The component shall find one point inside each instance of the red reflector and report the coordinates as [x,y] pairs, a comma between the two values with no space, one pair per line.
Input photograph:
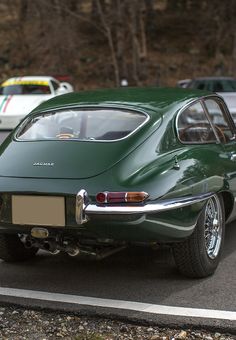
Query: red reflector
[116,197]
[101,197]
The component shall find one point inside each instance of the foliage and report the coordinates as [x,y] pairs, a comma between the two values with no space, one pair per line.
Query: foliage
[101,42]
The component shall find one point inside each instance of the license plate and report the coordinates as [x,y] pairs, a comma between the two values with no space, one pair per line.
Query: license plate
[38,210]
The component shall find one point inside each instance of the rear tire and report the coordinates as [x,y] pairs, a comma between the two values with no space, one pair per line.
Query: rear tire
[13,250]
[199,255]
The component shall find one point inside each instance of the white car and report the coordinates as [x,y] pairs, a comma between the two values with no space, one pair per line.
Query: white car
[20,95]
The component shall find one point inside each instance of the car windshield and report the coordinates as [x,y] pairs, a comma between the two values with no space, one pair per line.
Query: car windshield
[24,89]
[85,124]
[214,85]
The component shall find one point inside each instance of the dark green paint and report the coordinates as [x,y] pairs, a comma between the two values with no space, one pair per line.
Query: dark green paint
[151,99]
[144,161]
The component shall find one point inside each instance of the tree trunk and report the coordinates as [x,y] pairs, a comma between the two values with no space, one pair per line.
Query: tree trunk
[108,33]
[120,38]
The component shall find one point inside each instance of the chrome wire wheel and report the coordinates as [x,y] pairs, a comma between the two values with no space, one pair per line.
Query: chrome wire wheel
[199,255]
[213,224]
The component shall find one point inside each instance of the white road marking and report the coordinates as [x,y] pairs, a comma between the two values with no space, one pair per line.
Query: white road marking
[119,304]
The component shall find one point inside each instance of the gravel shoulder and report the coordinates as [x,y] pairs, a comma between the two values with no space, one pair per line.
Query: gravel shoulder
[18,324]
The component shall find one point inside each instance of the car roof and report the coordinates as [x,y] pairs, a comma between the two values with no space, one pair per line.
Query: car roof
[29,78]
[214,78]
[148,98]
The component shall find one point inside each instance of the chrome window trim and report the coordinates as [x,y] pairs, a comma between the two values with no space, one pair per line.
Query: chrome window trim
[197,100]
[179,113]
[224,109]
[205,109]
[120,107]
[227,114]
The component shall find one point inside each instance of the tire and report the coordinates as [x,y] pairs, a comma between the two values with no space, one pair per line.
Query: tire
[199,255]
[13,250]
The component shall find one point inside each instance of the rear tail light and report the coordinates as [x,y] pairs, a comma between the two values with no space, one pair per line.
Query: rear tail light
[121,197]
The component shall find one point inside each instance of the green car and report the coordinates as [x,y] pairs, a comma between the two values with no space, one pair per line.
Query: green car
[93,172]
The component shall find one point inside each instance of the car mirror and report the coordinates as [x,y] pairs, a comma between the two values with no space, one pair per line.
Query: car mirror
[67,87]
[64,88]
[61,90]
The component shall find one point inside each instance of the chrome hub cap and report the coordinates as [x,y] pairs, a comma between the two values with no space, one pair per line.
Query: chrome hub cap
[213,227]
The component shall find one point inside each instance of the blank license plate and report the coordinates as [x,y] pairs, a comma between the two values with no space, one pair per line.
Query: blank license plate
[38,210]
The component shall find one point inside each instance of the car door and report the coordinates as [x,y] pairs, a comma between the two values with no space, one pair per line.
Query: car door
[225,129]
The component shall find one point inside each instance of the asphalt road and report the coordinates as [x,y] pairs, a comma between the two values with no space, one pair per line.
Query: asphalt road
[134,274]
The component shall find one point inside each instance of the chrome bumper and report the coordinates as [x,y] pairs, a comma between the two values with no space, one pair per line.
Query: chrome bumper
[84,209]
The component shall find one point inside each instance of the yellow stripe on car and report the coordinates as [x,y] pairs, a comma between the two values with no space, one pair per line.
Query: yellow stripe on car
[25,82]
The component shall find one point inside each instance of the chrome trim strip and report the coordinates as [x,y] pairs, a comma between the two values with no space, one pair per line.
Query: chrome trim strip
[201,100]
[80,205]
[85,107]
[172,226]
[150,208]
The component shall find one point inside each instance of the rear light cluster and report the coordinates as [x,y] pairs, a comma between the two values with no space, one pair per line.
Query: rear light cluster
[121,197]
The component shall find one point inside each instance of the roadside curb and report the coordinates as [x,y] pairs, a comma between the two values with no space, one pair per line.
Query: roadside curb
[119,313]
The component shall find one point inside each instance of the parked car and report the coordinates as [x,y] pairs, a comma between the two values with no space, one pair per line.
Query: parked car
[224,86]
[20,95]
[92,172]
[230,99]
[214,84]
[183,82]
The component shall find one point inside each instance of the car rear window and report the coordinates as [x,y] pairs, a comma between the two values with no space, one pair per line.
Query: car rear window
[85,124]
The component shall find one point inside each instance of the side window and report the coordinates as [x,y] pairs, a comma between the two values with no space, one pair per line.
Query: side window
[194,127]
[219,120]
[55,85]
[201,86]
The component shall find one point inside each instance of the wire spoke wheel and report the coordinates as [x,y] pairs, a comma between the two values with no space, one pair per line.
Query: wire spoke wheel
[213,227]
[199,255]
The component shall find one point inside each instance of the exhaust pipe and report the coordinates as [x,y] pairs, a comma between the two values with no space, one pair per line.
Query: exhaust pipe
[72,251]
[51,247]
[28,243]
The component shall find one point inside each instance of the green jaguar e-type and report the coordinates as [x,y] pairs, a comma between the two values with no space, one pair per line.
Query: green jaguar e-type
[92,172]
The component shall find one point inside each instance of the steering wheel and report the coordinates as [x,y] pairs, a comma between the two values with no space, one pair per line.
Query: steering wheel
[221,134]
[65,133]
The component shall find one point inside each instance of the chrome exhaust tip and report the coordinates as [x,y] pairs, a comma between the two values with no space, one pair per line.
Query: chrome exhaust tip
[54,252]
[73,251]
[48,246]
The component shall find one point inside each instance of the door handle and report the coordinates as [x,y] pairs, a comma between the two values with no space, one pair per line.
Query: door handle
[233,157]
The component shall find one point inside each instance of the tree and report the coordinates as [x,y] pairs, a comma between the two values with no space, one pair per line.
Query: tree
[125,26]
